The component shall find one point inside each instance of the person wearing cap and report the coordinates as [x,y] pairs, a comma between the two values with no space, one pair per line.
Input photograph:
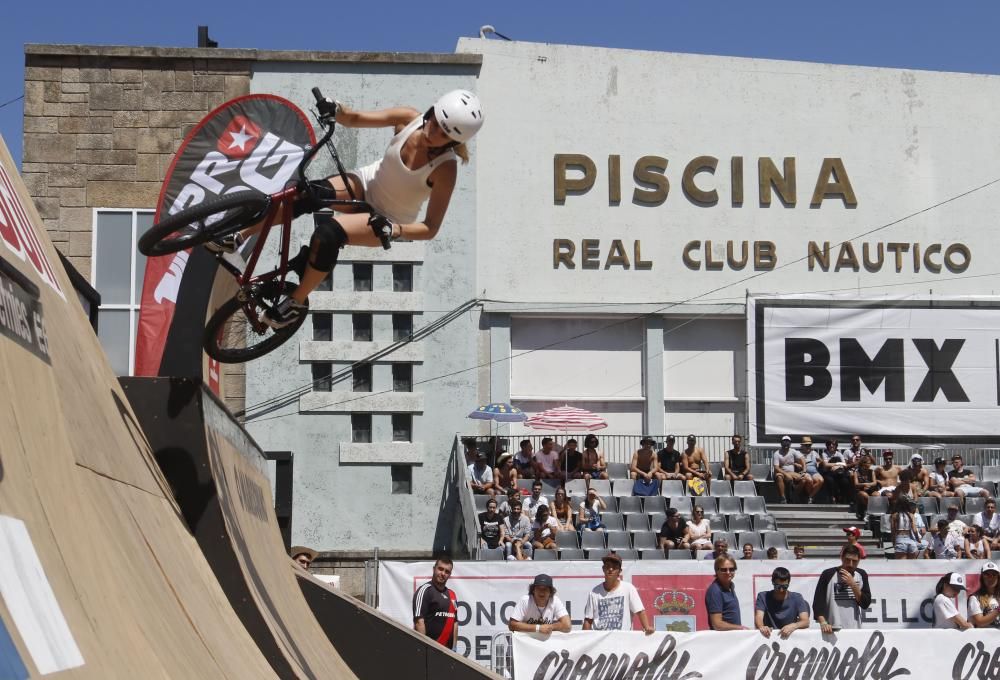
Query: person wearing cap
[589,516]
[505,473]
[920,477]
[540,611]
[853,536]
[939,478]
[787,466]
[672,532]
[956,526]
[612,603]
[945,611]
[737,462]
[984,604]
[435,606]
[865,486]
[670,460]
[644,464]
[963,480]
[812,479]
[780,609]
[842,593]
[989,520]
[481,476]
[302,556]
[887,474]
[720,597]
[594,466]
[695,463]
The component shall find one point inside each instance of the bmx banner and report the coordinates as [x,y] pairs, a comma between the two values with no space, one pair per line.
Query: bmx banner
[890,369]
[672,593]
[747,654]
[250,143]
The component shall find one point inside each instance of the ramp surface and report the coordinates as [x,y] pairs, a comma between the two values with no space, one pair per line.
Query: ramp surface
[99,577]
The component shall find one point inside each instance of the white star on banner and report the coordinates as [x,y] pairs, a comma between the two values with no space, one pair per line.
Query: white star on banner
[240,139]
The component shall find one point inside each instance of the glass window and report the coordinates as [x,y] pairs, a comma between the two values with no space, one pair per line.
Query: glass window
[361,428]
[402,326]
[402,427]
[402,278]
[402,479]
[321,372]
[402,377]
[326,283]
[362,378]
[117,273]
[322,326]
[363,275]
[362,327]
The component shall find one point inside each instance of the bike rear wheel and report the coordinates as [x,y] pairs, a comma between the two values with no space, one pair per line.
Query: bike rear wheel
[235,333]
[203,222]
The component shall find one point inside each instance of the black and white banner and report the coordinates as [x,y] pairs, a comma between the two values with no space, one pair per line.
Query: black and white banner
[892,370]
[855,654]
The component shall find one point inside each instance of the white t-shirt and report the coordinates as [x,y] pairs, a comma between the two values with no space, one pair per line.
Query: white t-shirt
[549,460]
[527,611]
[484,476]
[613,610]
[701,532]
[944,610]
[991,527]
[975,608]
[529,505]
[787,461]
[550,529]
[946,549]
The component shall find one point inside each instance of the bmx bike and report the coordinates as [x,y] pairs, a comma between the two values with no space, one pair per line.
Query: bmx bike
[236,332]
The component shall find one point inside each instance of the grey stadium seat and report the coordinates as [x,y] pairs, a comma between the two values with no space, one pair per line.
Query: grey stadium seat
[775,539]
[568,539]
[744,488]
[706,503]
[643,540]
[630,505]
[491,554]
[636,522]
[740,523]
[545,555]
[672,487]
[754,505]
[878,505]
[656,520]
[761,471]
[652,504]
[619,540]
[651,554]
[613,521]
[722,488]
[571,554]
[618,470]
[679,554]
[594,539]
[718,523]
[730,505]
[729,537]
[762,523]
[751,537]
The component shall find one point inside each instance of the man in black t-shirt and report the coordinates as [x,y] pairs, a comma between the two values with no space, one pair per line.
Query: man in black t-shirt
[670,460]
[672,531]
[435,607]
[737,466]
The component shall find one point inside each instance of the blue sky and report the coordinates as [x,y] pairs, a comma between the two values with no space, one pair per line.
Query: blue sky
[918,34]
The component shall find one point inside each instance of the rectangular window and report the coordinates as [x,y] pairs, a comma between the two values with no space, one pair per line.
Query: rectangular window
[361,428]
[321,373]
[117,270]
[362,327]
[402,479]
[322,326]
[402,278]
[402,326]
[402,427]
[362,378]
[326,283]
[402,377]
[363,275]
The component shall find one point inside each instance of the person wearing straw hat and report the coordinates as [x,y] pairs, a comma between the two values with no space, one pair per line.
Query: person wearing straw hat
[540,611]
[945,611]
[302,556]
[505,474]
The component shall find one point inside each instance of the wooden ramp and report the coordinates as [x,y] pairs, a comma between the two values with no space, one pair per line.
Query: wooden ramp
[99,576]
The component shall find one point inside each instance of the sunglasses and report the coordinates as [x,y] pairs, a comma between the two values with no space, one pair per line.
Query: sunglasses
[727,570]
[780,586]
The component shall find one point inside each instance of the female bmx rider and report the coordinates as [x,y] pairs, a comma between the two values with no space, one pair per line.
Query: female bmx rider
[420,164]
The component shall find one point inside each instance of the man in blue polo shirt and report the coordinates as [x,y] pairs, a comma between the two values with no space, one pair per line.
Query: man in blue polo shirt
[720,598]
[780,609]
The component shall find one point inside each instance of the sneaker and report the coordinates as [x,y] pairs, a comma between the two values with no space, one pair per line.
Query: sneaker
[511,558]
[783,501]
[226,244]
[286,312]
[809,500]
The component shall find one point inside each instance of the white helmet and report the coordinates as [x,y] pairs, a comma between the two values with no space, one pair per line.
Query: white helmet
[459,114]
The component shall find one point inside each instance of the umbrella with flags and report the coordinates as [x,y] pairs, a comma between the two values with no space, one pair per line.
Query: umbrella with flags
[567,418]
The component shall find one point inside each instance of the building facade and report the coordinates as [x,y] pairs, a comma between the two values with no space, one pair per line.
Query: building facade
[619,208]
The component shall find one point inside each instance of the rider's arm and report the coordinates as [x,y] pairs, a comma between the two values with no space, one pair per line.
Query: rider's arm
[443,177]
[400,115]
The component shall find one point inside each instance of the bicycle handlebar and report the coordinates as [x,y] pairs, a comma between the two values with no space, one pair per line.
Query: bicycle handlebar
[327,107]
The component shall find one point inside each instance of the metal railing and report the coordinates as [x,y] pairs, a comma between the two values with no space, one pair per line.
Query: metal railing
[470,522]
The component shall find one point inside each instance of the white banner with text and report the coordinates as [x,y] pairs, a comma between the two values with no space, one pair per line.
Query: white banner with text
[673,593]
[890,369]
[855,654]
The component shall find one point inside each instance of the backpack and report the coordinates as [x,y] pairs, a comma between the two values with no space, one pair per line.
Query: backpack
[696,487]
[646,487]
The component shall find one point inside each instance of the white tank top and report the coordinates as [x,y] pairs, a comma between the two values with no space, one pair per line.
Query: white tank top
[392,188]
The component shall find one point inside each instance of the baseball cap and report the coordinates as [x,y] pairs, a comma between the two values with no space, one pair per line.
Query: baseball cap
[692,438]
[940,461]
[786,438]
[481,456]
[990,566]
[887,453]
[613,558]
[854,531]
[916,458]
[958,580]
[542,580]
[647,438]
[671,438]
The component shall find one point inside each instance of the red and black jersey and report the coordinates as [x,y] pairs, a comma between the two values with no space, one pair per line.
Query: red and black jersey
[438,609]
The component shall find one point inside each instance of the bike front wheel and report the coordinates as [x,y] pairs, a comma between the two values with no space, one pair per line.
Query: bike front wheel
[203,222]
[235,333]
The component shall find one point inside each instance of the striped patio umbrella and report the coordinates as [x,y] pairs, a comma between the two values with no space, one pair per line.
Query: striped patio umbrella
[567,418]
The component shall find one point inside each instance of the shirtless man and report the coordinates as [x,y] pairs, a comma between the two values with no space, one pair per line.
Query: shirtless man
[644,463]
[695,463]
[887,474]
[921,485]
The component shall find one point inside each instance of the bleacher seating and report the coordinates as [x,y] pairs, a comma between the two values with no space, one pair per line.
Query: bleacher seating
[618,540]
[481,500]
[740,523]
[716,469]
[681,503]
[991,473]
[653,504]
[718,523]
[729,537]
[545,555]
[613,521]
[762,523]
[572,554]
[761,472]
[730,505]
[928,505]
[576,487]
[603,487]
[744,488]
[679,554]
[974,504]
[721,489]
[656,520]
[672,488]
[636,522]
[775,539]
[706,503]
[491,554]
[630,505]
[754,505]
[949,501]
[751,537]
[642,540]
[651,554]
[569,539]
[595,539]
[618,471]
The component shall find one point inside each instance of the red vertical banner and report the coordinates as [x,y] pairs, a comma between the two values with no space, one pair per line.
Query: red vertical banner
[250,143]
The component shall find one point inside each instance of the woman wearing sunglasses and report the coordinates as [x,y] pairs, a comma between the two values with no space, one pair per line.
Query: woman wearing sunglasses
[780,609]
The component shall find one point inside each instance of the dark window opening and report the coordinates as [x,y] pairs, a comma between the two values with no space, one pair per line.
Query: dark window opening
[402,479]
[362,327]
[322,326]
[402,427]
[402,278]
[362,378]
[402,326]
[363,275]
[361,428]
[402,377]
[321,373]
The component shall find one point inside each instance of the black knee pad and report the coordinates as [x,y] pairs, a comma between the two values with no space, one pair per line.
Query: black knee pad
[326,242]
